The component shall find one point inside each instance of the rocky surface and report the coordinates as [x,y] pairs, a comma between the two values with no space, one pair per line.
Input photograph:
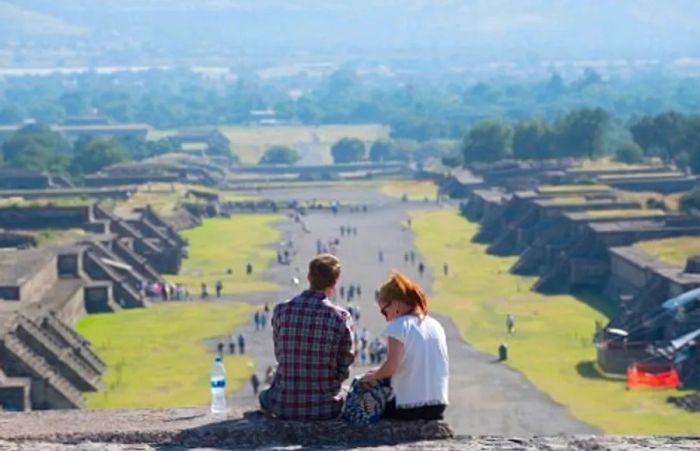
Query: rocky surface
[194,427]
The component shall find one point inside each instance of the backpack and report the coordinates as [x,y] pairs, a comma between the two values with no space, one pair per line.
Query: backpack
[366,402]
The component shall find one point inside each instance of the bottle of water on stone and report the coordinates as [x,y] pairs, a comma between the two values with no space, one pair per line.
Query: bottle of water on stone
[218,388]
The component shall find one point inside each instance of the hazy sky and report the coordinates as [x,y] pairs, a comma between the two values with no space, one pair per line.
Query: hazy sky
[561,28]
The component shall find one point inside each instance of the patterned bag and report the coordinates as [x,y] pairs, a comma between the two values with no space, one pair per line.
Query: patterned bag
[366,402]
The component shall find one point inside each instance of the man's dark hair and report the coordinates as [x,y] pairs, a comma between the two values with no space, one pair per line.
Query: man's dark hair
[324,271]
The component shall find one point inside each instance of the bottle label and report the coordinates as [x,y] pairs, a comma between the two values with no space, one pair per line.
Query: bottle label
[218,383]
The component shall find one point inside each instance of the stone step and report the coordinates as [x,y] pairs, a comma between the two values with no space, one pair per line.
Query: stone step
[44,371]
[78,342]
[89,377]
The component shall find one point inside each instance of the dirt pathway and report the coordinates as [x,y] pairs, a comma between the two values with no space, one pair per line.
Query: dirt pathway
[487,397]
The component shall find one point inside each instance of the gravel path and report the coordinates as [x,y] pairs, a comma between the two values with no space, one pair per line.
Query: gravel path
[486,397]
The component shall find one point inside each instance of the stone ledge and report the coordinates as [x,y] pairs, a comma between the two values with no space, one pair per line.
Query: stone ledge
[194,427]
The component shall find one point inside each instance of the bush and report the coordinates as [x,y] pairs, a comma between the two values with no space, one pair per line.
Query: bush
[690,201]
[629,153]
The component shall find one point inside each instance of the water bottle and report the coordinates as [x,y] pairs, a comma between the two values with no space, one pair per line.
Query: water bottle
[218,388]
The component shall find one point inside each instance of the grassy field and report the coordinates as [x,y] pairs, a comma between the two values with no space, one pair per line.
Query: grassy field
[250,142]
[552,344]
[624,213]
[672,250]
[413,189]
[223,243]
[156,357]
[551,189]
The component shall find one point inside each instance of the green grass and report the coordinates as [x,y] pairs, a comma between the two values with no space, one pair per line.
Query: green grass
[250,142]
[552,346]
[552,189]
[624,213]
[413,189]
[223,243]
[156,357]
[674,251]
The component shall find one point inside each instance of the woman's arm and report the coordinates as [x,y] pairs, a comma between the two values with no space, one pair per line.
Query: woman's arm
[389,367]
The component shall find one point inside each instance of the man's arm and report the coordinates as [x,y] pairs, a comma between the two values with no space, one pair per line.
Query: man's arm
[346,350]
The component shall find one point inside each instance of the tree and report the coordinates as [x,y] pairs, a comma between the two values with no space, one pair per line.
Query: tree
[660,135]
[98,154]
[580,133]
[489,140]
[280,155]
[348,150]
[382,150]
[690,201]
[533,140]
[629,153]
[36,147]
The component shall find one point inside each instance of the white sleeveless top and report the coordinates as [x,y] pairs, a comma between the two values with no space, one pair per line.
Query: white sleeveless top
[423,373]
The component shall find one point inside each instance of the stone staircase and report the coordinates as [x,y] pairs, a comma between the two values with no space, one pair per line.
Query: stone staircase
[76,341]
[73,368]
[123,291]
[40,369]
[127,254]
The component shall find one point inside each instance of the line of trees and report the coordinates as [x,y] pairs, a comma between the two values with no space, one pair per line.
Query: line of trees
[37,147]
[585,133]
[415,109]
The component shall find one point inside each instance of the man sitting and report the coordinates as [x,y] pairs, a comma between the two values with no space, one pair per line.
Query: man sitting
[313,341]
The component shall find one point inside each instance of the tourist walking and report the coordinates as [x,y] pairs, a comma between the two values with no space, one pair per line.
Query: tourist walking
[416,342]
[219,287]
[249,269]
[256,320]
[205,291]
[220,348]
[232,347]
[421,268]
[510,323]
[241,344]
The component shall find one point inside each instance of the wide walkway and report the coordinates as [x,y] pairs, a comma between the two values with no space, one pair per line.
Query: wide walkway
[487,397]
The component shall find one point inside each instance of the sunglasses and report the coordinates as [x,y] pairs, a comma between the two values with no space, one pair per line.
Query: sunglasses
[384,309]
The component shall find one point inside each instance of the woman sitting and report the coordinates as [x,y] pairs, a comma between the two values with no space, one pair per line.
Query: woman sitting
[417,361]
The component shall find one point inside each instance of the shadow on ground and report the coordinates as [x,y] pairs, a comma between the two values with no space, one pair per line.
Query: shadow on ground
[256,430]
[589,370]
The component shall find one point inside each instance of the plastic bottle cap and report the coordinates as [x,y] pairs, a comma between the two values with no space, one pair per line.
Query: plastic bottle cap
[218,359]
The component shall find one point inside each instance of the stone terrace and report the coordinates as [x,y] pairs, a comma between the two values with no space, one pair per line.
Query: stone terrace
[187,428]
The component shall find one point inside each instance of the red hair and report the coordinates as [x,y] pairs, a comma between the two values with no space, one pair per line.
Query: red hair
[401,288]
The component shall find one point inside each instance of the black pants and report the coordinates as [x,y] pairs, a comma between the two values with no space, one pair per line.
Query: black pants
[414,413]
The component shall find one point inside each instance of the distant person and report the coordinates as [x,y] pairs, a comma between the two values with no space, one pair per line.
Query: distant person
[255,383]
[256,320]
[405,257]
[205,291]
[219,287]
[249,269]
[220,348]
[412,256]
[445,269]
[421,268]
[510,324]
[232,348]
[241,344]
[313,342]
[342,292]
[416,361]
[381,256]
[358,290]
[263,321]
[267,308]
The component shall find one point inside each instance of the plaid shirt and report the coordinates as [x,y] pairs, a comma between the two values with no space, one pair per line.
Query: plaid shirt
[314,350]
